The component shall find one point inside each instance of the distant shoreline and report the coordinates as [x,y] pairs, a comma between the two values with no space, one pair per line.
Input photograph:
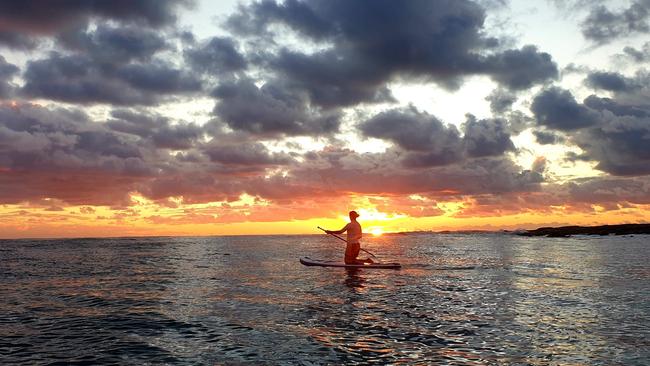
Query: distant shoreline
[553,232]
[566,231]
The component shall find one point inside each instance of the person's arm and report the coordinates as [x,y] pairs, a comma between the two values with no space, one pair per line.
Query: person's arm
[344,229]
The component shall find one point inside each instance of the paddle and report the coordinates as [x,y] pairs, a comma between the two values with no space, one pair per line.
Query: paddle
[340,238]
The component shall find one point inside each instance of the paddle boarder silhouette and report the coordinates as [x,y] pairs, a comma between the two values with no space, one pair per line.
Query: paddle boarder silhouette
[354,234]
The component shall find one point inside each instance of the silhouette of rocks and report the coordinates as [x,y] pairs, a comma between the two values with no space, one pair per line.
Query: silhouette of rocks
[566,231]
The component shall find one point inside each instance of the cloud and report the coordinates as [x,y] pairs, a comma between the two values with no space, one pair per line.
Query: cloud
[539,165]
[271,109]
[156,129]
[111,45]
[410,129]
[79,79]
[620,145]
[603,25]
[611,81]
[218,55]
[610,190]
[333,79]
[430,143]
[7,72]
[501,100]
[63,154]
[43,17]
[615,107]
[547,138]
[486,137]
[614,132]
[557,108]
[252,154]
[369,43]
[575,5]
[35,138]
[521,69]
[626,90]
[60,153]
[288,69]
[17,41]
[642,55]
[342,171]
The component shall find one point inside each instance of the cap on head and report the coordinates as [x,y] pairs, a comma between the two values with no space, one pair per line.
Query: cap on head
[353,214]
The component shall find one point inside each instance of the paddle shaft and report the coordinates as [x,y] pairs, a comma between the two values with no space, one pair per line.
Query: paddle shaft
[340,238]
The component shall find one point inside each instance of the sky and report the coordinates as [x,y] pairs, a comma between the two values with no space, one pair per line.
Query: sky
[155,117]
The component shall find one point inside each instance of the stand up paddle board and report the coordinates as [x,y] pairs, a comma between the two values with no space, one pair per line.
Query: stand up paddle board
[323,263]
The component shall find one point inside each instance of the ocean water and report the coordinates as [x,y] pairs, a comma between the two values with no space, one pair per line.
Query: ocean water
[483,299]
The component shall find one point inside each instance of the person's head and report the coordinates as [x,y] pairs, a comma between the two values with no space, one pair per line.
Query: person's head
[353,215]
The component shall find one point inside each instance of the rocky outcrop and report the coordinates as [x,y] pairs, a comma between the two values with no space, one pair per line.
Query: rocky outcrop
[565,231]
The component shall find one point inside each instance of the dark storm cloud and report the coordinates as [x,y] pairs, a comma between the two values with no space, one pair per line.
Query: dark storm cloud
[620,146]
[35,138]
[249,154]
[557,108]
[547,138]
[7,72]
[521,69]
[272,109]
[78,79]
[603,25]
[375,41]
[611,81]
[52,16]
[158,78]
[618,109]
[627,91]
[156,129]
[613,132]
[17,41]
[412,130]
[430,143]
[487,137]
[115,45]
[216,56]
[501,100]
[332,79]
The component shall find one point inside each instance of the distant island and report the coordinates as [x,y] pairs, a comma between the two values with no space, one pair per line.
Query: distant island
[552,232]
[565,231]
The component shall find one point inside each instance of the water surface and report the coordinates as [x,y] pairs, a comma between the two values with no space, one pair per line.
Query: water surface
[483,299]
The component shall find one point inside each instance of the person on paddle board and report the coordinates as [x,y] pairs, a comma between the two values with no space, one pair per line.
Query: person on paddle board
[354,233]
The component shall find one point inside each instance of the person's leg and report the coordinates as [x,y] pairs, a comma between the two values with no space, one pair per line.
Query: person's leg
[356,250]
[351,253]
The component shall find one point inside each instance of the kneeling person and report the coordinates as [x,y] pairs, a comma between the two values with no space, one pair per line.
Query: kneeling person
[354,233]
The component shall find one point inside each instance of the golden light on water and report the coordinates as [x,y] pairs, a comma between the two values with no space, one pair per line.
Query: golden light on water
[376,231]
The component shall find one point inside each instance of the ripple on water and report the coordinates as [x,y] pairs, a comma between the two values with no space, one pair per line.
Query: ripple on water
[471,300]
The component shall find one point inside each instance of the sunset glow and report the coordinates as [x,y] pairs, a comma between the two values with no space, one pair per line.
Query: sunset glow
[376,231]
[215,119]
